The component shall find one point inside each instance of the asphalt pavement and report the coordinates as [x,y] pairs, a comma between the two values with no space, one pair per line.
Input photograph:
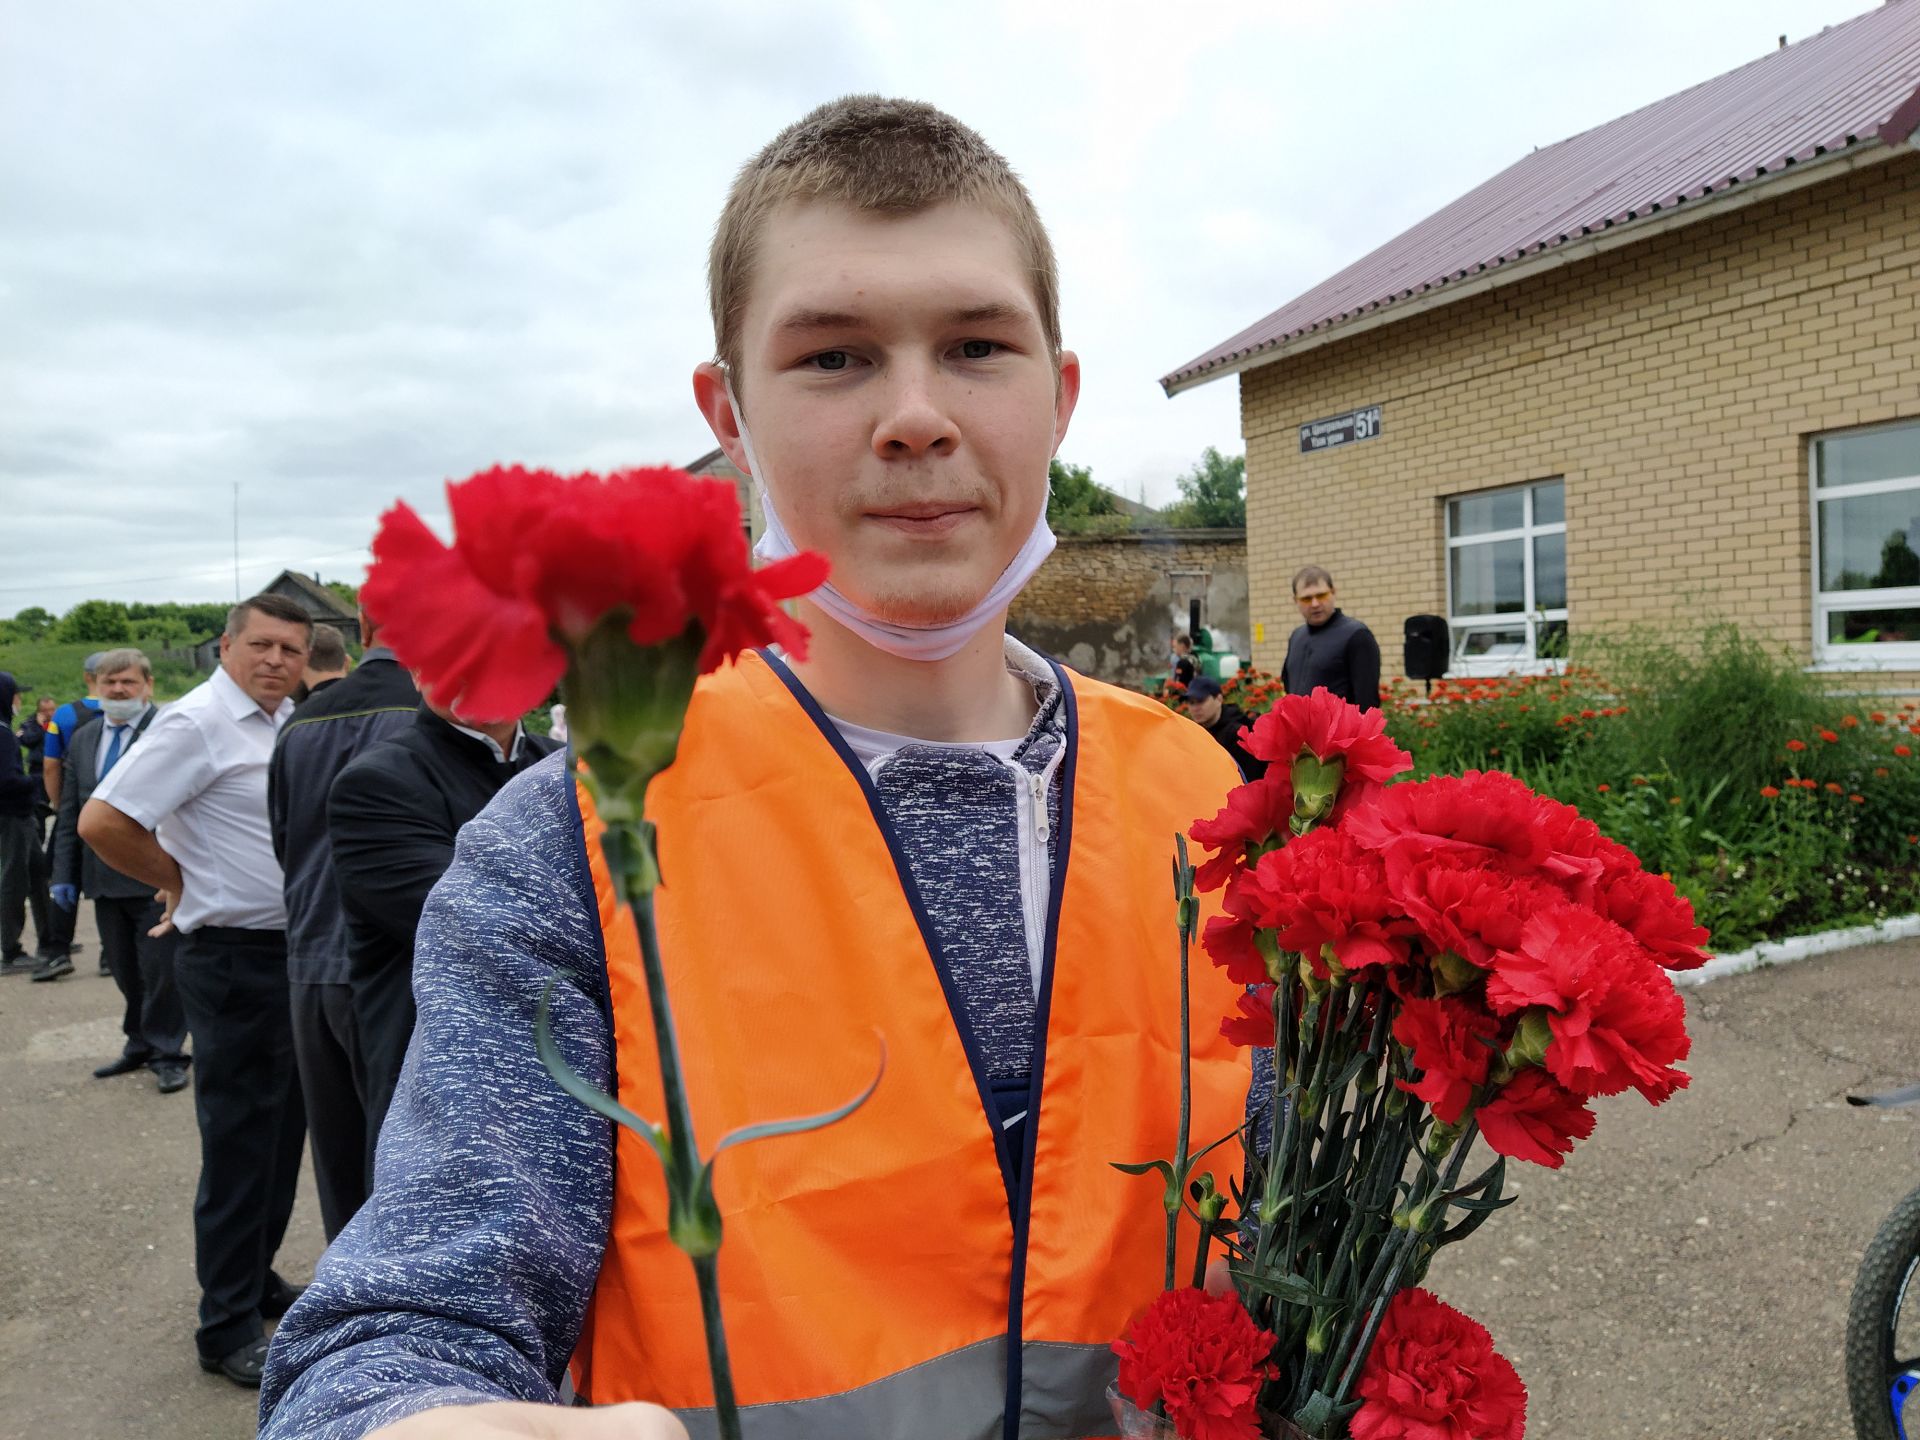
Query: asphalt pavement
[1684,1277]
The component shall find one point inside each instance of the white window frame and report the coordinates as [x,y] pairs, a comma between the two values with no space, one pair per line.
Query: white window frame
[1532,617]
[1828,655]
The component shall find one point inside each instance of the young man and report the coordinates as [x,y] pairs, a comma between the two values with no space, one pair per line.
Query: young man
[924,830]
[1223,720]
[186,813]
[1330,647]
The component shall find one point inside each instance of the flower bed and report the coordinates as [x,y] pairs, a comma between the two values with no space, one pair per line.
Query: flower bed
[1777,809]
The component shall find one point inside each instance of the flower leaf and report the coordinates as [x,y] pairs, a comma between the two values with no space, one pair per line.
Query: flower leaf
[800,1126]
[594,1099]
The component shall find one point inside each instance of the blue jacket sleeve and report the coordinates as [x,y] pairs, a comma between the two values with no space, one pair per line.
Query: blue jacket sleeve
[465,1278]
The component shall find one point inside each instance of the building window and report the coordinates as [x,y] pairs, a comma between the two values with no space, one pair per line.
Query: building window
[1866,547]
[1507,577]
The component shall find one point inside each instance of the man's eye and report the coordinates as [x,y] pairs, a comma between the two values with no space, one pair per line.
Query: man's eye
[978,349]
[830,360]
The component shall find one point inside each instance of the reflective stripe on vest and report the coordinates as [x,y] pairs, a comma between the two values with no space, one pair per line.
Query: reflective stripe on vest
[872,1273]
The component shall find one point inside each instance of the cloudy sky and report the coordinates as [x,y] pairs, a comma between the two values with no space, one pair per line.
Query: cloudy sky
[336,254]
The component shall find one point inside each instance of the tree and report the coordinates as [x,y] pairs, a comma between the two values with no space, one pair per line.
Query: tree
[1075,505]
[1213,494]
[349,594]
[34,622]
[95,622]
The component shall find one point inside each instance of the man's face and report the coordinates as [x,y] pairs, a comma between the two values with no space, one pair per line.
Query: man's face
[1316,601]
[897,383]
[1206,711]
[266,659]
[44,707]
[126,685]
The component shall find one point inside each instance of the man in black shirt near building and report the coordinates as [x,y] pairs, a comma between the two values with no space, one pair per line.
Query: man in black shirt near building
[1332,648]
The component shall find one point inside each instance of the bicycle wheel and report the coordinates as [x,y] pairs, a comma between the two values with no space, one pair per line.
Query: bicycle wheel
[1883,1330]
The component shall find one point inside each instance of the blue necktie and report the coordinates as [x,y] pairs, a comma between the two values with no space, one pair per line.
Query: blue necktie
[113,748]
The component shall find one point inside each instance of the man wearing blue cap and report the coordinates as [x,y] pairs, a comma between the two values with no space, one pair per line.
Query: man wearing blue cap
[1223,720]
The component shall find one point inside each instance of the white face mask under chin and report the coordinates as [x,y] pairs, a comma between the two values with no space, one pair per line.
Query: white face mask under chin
[909,642]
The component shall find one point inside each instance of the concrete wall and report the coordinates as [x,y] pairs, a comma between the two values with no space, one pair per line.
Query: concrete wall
[1674,384]
[1107,604]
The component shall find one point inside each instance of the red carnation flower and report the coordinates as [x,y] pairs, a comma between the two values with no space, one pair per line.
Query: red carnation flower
[1325,726]
[1615,1018]
[1323,889]
[1472,910]
[1481,818]
[1433,1374]
[1228,938]
[1252,1021]
[1452,1042]
[1254,814]
[539,559]
[1648,908]
[1204,1357]
[1534,1117]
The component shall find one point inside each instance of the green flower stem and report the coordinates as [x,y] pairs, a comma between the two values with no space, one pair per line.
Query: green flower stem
[1188,910]
[630,859]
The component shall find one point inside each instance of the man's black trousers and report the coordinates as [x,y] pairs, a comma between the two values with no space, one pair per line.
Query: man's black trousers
[326,1046]
[142,966]
[246,1095]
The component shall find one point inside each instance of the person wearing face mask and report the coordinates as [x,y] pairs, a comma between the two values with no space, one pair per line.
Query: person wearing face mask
[125,910]
[923,829]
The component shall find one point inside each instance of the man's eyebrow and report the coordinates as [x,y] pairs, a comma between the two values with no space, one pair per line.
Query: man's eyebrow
[996,312]
[803,321]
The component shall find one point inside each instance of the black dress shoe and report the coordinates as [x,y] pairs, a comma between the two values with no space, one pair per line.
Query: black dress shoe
[243,1366]
[52,967]
[125,1065]
[19,963]
[171,1075]
[279,1298]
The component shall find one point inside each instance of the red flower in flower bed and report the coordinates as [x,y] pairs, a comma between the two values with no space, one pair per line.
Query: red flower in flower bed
[1433,1374]
[1535,1118]
[1204,1357]
[538,559]
[1616,1019]
[1796,745]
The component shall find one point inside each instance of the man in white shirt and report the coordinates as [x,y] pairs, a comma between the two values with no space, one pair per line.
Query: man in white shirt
[186,812]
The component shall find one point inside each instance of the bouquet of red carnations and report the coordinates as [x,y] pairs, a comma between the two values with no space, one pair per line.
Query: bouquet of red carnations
[1439,966]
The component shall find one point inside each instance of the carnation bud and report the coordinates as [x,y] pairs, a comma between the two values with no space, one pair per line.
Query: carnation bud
[1453,973]
[626,705]
[1269,949]
[1530,1040]
[1316,786]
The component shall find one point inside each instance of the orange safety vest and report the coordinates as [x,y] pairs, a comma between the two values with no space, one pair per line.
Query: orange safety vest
[883,1277]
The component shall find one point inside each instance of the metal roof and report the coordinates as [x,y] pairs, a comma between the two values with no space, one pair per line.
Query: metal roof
[1853,88]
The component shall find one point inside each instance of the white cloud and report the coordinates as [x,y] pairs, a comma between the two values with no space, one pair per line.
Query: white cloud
[336,254]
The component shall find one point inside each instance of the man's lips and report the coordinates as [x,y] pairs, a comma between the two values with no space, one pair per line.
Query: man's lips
[927,518]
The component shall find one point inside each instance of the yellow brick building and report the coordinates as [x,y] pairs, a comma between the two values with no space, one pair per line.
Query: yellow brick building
[1669,368]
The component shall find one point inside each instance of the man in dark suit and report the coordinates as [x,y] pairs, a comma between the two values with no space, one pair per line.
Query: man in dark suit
[124,908]
[392,818]
[339,719]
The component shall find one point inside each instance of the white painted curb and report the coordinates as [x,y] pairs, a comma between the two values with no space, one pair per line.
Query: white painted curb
[1799,947]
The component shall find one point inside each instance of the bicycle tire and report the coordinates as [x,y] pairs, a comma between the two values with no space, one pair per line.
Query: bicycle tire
[1886,1270]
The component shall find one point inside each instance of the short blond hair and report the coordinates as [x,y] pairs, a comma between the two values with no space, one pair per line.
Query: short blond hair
[867,152]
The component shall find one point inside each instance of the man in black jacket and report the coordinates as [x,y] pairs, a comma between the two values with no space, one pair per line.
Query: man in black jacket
[125,910]
[1223,720]
[339,720]
[19,840]
[392,818]
[1332,648]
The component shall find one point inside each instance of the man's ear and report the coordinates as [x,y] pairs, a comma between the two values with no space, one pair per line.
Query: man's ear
[1066,396]
[710,394]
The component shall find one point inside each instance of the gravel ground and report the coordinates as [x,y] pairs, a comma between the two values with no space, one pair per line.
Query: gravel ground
[1684,1277]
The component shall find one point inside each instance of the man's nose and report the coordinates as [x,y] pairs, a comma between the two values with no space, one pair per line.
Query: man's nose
[913,421]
